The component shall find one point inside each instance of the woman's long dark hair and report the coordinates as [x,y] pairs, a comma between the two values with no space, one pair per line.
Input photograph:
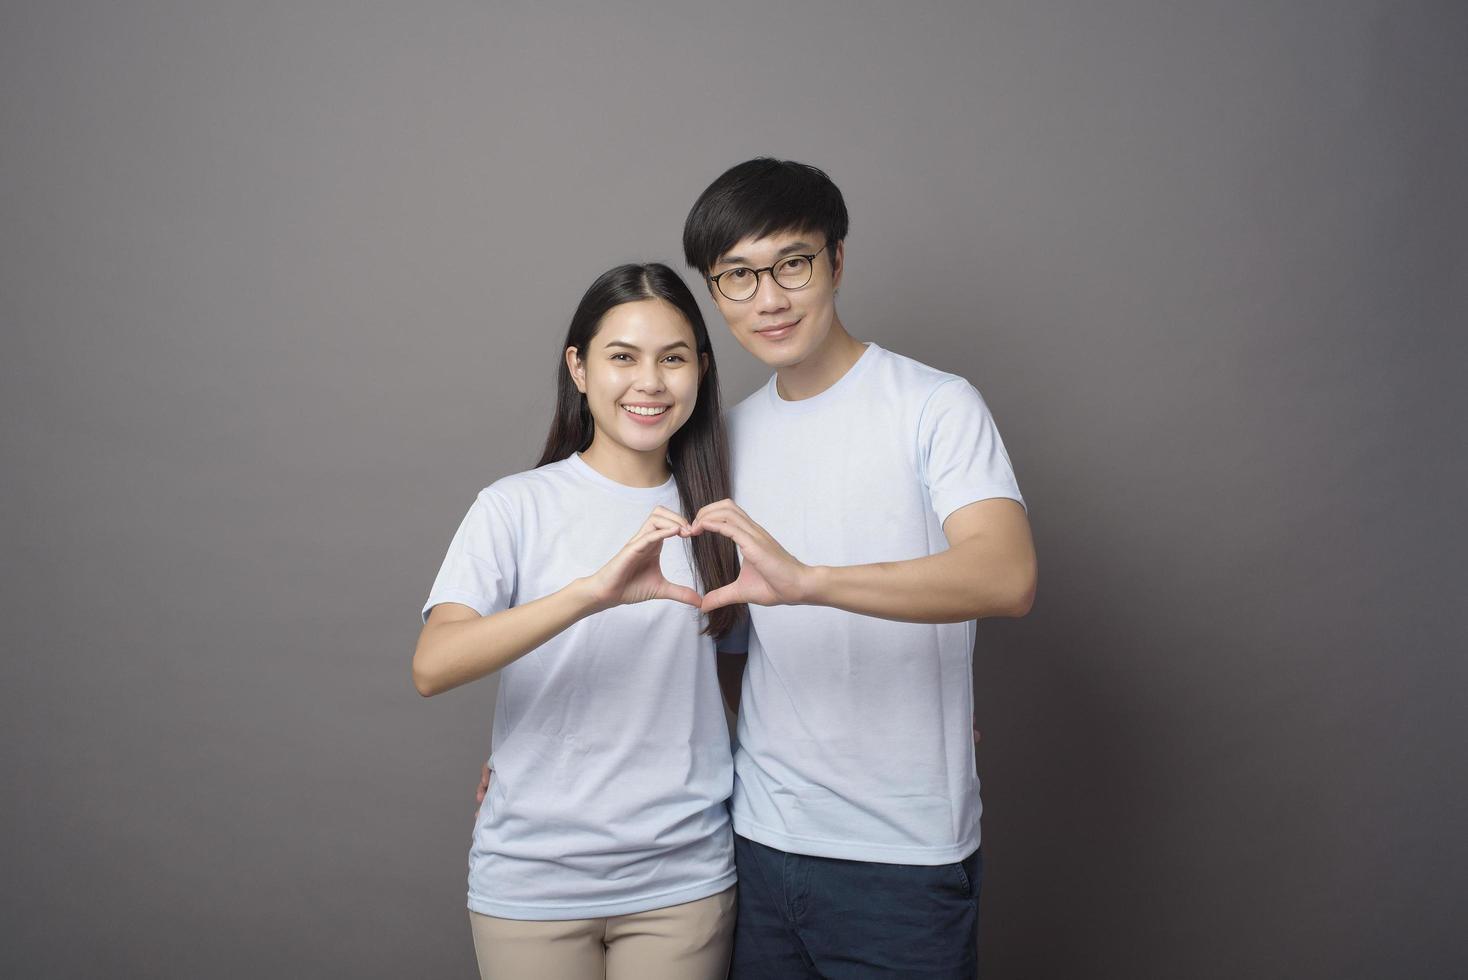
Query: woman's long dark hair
[698,453]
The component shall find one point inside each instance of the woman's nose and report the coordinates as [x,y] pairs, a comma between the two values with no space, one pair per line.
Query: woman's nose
[650,378]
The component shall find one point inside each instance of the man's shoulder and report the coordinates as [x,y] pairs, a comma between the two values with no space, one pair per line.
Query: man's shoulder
[911,376]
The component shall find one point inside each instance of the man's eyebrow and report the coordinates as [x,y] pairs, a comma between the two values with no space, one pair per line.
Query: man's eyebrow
[631,346]
[793,247]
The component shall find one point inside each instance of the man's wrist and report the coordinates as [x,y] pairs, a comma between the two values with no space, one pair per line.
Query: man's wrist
[815,584]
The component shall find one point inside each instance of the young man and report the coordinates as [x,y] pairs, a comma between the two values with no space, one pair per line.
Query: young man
[877,517]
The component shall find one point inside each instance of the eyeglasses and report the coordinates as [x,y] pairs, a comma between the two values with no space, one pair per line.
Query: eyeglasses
[791,272]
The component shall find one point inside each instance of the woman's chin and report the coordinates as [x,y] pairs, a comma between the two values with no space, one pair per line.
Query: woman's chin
[641,440]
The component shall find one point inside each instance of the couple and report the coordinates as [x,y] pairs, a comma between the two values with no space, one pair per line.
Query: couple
[836,548]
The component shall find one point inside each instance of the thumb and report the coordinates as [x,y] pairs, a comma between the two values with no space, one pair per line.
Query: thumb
[719,598]
[680,593]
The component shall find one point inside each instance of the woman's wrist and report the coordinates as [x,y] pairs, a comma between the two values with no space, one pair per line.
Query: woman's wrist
[587,598]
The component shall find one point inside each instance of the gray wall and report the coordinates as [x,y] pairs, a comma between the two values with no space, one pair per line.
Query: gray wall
[281,288]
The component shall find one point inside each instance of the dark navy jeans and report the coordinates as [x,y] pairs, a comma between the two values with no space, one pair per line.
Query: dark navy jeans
[802,916]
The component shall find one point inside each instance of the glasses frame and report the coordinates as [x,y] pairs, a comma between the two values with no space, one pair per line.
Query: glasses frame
[809,259]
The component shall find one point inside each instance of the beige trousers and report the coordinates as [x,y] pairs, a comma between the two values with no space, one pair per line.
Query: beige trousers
[691,941]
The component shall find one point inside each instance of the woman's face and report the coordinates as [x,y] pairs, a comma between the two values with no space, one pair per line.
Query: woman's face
[639,374]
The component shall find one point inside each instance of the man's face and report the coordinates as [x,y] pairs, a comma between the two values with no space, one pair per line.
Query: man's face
[780,326]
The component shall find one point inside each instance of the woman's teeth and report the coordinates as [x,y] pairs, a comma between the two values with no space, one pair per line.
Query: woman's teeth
[639,410]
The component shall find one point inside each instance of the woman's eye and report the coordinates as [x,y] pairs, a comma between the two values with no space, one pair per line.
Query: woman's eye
[676,358]
[622,357]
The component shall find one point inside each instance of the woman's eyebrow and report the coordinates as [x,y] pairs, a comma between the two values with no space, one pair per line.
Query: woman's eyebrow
[631,346]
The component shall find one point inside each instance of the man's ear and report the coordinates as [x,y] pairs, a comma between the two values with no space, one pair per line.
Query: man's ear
[838,263]
[577,368]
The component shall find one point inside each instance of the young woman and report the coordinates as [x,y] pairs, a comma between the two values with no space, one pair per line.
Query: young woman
[603,847]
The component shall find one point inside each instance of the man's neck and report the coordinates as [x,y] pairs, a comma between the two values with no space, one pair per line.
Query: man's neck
[823,368]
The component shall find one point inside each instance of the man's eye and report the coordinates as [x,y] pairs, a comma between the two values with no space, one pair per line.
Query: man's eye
[738,275]
[625,357]
[792,265]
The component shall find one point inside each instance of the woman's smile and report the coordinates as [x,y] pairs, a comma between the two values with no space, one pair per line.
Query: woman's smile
[644,413]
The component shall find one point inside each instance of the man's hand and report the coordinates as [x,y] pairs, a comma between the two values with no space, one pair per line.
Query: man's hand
[768,576]
[481,790]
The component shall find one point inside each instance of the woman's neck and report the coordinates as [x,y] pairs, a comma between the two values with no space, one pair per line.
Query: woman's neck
[627,466]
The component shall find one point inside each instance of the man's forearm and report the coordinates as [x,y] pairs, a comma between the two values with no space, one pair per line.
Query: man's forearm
[971,580]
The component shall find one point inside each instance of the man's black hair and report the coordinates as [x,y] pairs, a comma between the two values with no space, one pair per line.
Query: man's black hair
[762,197]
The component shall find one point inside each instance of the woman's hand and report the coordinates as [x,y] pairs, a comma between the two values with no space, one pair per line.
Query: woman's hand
[457,645]
[635,573]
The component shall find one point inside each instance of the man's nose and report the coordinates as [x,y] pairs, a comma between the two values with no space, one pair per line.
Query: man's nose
[769,295]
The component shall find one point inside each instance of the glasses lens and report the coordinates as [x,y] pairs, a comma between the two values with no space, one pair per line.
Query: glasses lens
[738,284]
[793,272]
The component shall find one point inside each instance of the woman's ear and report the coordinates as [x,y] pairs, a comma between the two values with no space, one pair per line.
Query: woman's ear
[577,368]
[703,366]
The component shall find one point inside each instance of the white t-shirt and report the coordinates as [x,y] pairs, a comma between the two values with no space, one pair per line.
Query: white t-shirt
[855,734]
[611,759]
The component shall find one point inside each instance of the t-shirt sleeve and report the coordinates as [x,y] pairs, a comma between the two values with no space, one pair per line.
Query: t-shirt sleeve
[479,569]
[960,452]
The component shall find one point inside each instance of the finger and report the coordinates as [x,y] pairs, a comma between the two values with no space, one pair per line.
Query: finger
[712,508]
[656,533]
[654,521]
[719,598]
[729,530]
[742,521]
[663,533]
[681,593]
[714,505]
[727,507]
[649,541]
[733,517]
[670,515]
[737,509]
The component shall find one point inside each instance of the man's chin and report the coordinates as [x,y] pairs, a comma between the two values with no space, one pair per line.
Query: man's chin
[773,355]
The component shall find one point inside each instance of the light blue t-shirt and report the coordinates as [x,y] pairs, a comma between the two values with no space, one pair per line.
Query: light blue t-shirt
[855,735]
[611,759]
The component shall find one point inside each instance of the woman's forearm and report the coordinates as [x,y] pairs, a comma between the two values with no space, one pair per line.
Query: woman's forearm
[462,650]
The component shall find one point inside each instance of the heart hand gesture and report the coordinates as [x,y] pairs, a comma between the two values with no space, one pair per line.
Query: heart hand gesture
[635,573]
[768,574]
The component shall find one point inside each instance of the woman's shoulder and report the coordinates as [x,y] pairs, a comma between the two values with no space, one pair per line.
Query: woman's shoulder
[516,489]
[517,500]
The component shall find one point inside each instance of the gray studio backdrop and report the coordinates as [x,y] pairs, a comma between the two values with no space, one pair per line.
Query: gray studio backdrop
[282,285]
